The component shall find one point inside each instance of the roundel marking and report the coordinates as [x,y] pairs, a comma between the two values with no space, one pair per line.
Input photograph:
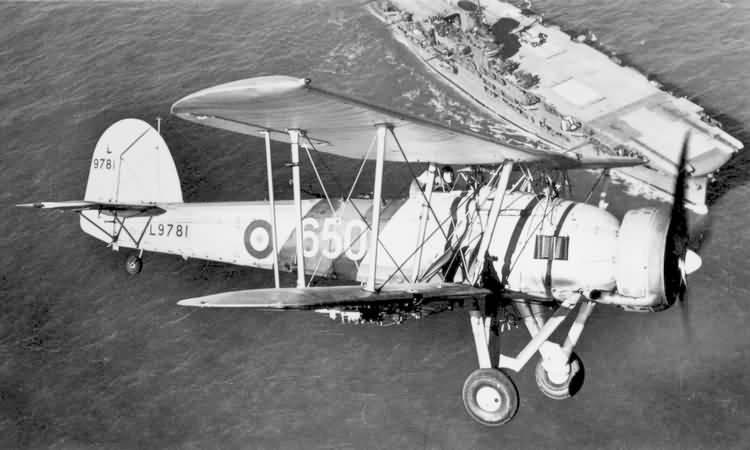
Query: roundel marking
[258,239]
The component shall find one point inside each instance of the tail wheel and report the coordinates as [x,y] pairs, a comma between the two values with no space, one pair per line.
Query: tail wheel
[490,397]
[133,265]
[566,389]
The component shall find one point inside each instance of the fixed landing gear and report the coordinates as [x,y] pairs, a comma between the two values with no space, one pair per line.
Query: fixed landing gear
[134,264]
[490,397]
[560,383]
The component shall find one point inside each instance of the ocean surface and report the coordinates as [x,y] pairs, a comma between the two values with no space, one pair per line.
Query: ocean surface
[92,358]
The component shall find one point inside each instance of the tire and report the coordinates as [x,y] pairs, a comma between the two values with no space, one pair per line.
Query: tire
[564,390]
[490,397]
[133,265]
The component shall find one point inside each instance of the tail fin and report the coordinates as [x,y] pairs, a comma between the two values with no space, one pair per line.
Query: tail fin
[132,165]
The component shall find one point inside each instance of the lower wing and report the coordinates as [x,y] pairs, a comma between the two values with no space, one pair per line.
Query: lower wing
[333,296]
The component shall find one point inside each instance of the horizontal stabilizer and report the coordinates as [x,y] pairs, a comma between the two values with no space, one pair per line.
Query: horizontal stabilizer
[82,205]
[67,205]
[331,296]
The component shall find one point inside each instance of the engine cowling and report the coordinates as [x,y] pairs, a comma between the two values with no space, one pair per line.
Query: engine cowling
[647,267]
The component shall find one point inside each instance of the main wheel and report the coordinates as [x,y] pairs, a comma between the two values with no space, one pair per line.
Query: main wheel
[565,389]
[490,397]
[133,265]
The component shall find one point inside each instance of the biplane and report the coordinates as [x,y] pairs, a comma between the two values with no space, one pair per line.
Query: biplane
[491,243]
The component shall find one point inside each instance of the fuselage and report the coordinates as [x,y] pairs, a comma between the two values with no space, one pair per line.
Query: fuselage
[541,246]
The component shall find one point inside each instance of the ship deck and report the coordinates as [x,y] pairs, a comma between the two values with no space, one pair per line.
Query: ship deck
[617,101]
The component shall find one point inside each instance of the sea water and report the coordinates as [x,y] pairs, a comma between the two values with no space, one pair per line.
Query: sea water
[93,357]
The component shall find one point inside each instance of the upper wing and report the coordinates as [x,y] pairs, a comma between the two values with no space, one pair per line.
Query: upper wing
[332,296]
[345,126]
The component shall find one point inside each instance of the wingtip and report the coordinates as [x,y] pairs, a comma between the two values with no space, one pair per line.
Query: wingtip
[192,302]
[30,205]
[248,87]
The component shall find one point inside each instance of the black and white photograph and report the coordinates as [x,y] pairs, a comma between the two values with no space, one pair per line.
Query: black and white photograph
[385,224]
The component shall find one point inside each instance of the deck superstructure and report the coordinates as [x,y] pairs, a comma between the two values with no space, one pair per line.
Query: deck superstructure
[559,88]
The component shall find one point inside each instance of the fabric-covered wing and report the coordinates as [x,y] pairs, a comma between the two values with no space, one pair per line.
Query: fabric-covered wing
[346,126]
[331,296]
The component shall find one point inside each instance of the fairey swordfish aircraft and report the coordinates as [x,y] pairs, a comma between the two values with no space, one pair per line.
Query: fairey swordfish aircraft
[493,244]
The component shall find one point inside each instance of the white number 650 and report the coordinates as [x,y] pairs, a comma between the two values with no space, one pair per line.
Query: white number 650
[332,242]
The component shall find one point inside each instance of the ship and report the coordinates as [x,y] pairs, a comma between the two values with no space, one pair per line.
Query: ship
[562,89]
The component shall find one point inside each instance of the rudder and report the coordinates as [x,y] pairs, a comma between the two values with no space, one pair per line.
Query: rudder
[132,165]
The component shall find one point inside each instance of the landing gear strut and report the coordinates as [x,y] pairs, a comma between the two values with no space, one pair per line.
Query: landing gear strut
[134,264]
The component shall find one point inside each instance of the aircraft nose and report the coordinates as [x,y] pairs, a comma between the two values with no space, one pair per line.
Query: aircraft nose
[693,262]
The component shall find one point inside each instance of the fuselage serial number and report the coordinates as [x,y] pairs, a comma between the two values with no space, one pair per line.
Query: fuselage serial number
[168,229]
